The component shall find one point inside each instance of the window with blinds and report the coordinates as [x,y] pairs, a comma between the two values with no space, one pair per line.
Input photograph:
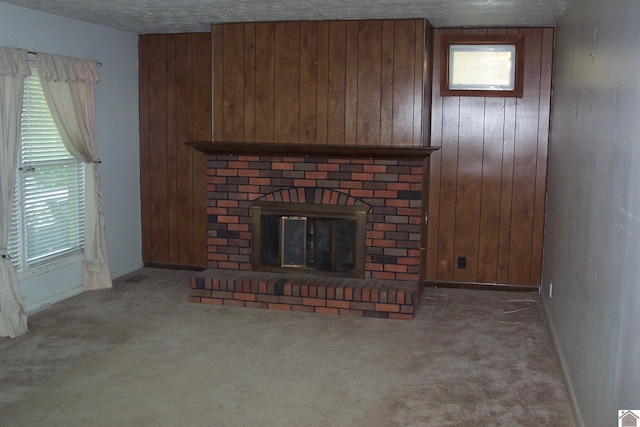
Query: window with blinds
[48,207]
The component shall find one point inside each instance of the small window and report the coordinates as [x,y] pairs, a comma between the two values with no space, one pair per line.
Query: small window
[482,65]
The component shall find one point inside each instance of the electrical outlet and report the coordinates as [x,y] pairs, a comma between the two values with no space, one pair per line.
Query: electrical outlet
[462,262]
[550,290]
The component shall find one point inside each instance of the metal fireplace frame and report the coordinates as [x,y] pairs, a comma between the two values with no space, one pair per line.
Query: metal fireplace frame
[309,210]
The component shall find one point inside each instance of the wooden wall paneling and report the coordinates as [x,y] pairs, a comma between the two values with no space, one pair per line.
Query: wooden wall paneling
[202,114]
[546,68]
[337,72]
[491,182]
[351,84]
[184,201]
[469,182]
[386,83]
[265,82]
[145,175]
[403,87]
[158,149]
[369,82]
[322,82]
[217,33]
[308,82]
[435,165]
[171,174]
[250,73]
[287,82]
[233,82]
[525,157]
[418,81]
[468,193]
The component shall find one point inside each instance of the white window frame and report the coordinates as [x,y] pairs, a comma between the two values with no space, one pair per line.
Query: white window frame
[28,202]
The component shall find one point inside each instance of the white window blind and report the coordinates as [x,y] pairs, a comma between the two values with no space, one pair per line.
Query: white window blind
[48,210]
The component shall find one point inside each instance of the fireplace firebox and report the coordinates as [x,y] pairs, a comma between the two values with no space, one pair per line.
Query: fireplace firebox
[309,238]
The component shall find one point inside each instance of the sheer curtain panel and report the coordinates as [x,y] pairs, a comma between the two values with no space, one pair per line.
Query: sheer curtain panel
[13,70]
[68,86]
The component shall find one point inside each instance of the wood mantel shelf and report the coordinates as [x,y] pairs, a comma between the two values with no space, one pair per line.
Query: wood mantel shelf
[316,150]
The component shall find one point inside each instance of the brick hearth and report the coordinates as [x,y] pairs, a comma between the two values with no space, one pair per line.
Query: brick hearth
[390,299]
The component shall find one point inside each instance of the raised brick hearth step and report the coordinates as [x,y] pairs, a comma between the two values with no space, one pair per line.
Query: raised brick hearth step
[392,299]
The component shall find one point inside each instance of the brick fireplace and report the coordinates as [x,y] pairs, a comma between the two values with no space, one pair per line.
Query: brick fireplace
[388,184]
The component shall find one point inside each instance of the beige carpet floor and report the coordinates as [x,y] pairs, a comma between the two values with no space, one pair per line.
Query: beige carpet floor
[141,355]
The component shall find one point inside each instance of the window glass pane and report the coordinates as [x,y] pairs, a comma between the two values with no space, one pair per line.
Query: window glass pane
[48,212]
[486,67]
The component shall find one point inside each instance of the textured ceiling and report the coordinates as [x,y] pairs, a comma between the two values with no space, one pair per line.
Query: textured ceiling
[176,16]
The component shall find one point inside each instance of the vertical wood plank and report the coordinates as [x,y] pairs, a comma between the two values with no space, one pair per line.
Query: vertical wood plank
[351,84]
[249,82]
[435,165]
[201,72]
[233,85]
[308,82]
[468,192]
[287,82]
[525,163]
[546,69]
[172,188]
[265,82]
[369,82]
[145,185]
[217,41]
[387,83]
[418,81]
[337,73]
[403,83]
[158,149]
[184,163]
[323,83]
[491,187]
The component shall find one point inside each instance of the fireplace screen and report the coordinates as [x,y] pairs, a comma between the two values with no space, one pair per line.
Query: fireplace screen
[309,238]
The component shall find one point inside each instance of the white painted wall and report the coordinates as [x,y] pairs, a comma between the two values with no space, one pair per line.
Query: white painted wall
[117,137]
[592,236]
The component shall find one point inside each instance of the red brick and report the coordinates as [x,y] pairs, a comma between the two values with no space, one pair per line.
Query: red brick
[249,173]
[227,219]
[325,310]
[217,211]
[243,296]
[228,203]
[238,227]
[328,167]
[392,308]
[194,299]
[315,175]
[216,180]
[238,165]
[395,268]
[362,176]
[304,182]
[283,307]
[290,300]
[383,226]
[282,166]
[362,193]
[229,265]
[338,304]
[316,302]
[227,172]
[383,275]
[375,168]
[303,308]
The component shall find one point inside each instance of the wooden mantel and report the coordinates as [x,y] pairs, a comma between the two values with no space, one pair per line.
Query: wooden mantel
[317,150]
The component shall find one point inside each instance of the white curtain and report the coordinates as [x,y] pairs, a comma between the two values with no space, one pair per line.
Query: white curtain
[68,86]
[13,70]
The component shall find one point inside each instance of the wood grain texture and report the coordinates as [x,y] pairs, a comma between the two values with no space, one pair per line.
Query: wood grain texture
[175,106]
[321,82]
[488,181]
